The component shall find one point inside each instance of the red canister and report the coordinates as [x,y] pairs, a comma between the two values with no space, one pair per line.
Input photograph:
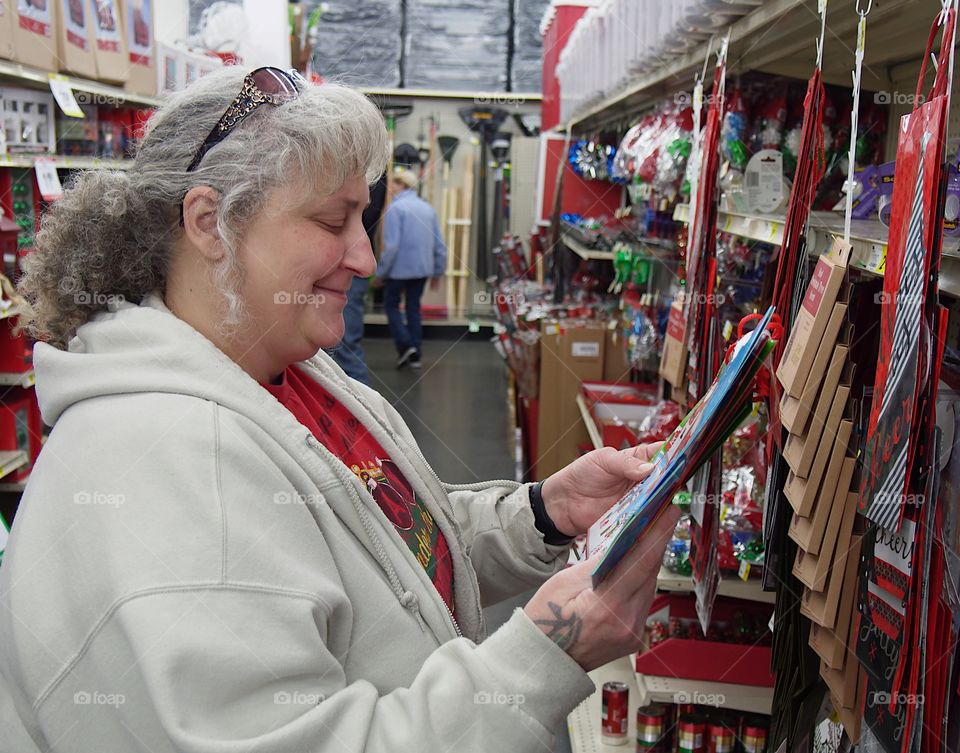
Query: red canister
[613,720]
[652,729]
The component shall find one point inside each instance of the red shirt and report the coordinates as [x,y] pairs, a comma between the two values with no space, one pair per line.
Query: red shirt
[347,438]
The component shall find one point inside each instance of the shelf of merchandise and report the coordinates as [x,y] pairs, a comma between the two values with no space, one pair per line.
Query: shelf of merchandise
[10,460]
[65,163]
[481,98]
[868,239]
[376,318]
[732,587]
[727,695]
[676,73]
[18,379]
[583,252]
[36,78]
[13,487]
[583,724]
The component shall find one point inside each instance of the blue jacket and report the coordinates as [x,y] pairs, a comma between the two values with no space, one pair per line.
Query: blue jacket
[413,245]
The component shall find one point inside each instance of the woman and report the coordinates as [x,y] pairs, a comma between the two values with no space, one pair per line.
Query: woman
[226,547]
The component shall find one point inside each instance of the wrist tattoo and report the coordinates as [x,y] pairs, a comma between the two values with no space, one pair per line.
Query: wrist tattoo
[564,631]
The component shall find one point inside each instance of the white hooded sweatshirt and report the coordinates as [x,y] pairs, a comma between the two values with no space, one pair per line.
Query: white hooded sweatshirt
[190,570]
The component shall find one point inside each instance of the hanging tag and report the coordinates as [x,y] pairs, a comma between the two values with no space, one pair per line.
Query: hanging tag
[47,179]
[474,326]
[763,182]
[63,93]
[698,97]
[744,571]
[862,35]
[821,6]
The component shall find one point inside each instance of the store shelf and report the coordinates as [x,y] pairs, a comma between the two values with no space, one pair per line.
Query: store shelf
[583,724]
[583,252]
[591,425]
[768,229]
[10,460]
[778,38]
[18,379]
[105,94]
[481,98]
[480,322]
[868,239]
[726,695]
[65,163]
[730,586]
[675,73]
[13,487]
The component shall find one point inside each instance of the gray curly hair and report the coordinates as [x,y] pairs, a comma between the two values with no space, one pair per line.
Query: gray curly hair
[111,234]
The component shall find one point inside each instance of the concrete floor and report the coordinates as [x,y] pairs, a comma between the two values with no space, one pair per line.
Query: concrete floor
[456,407]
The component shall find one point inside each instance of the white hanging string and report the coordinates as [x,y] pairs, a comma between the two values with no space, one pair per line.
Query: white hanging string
[855,117]
[822,9]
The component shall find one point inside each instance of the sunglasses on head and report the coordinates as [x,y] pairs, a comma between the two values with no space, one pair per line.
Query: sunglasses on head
[264,86]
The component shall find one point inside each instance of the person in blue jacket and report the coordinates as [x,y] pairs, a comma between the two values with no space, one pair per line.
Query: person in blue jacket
[413,251]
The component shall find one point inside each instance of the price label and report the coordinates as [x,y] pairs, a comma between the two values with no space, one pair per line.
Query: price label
[474,326]
[744,571]
[48,181]
[63,93]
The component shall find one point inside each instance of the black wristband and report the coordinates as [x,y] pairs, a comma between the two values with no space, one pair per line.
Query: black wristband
[542,520]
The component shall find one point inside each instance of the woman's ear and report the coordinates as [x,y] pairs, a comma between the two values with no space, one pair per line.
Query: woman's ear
[200,221]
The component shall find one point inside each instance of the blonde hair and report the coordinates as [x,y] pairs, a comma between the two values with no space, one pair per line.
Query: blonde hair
[111,235]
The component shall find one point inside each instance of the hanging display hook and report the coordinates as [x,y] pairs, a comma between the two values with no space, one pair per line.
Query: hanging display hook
[854,118]
[822,9]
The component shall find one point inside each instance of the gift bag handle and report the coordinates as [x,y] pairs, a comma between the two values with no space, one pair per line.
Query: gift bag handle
[947,19]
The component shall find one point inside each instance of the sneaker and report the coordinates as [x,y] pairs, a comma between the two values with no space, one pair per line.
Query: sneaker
[416,363]
[405,357]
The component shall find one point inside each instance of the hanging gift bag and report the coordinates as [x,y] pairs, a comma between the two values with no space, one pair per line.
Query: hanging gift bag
[909,300]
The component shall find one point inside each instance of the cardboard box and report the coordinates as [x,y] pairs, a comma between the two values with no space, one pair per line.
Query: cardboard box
[615,366]
[802,492]
[137,18]
[110,47]
[800,450]
[75,38]
[6,29]
[794,412]
[34,34]
[842,683]
[828,530]
[569,355]
[807,530]
[673,360]
[811,322]
[831,645]
[822,606]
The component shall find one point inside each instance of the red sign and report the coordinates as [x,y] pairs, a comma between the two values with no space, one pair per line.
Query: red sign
[35,26]
[818,284]
[676,325]
[75,39]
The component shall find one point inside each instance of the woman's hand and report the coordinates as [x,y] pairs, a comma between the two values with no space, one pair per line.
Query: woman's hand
[596,626]
[577,496]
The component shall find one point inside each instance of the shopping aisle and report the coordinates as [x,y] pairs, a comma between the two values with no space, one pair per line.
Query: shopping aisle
[456,408]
